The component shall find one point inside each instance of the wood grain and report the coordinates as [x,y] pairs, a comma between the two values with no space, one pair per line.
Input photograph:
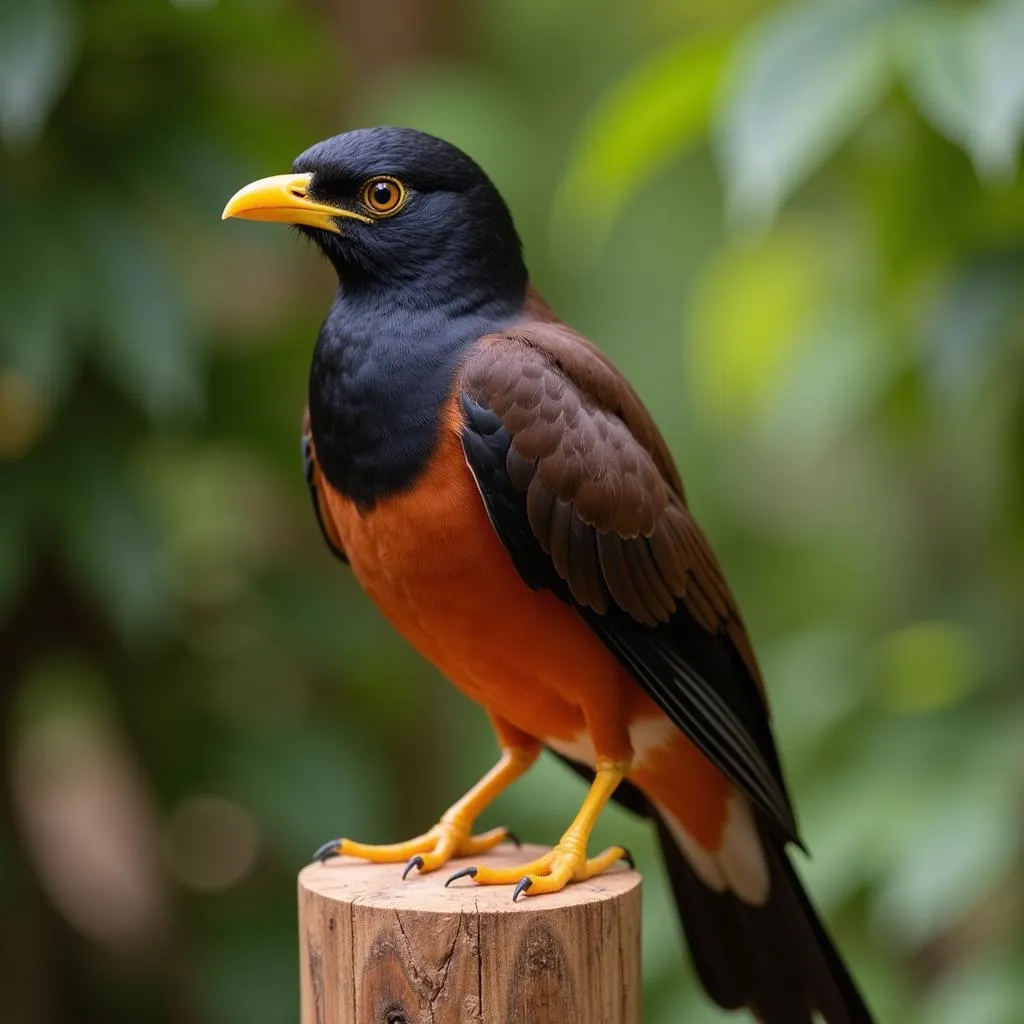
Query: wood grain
[377,950]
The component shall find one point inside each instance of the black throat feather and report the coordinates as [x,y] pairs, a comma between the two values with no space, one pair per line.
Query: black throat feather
[382,372]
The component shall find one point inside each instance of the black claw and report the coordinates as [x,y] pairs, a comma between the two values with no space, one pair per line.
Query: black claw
[628,858]
[464,873]
[513,838]
[332,848]
[521,887]
[415,861]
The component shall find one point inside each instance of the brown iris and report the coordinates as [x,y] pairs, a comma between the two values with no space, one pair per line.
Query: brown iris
[383,196]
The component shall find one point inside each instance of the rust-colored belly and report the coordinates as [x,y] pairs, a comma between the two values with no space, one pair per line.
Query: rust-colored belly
[432,562]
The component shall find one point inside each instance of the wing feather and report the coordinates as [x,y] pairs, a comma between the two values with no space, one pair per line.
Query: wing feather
[581,488]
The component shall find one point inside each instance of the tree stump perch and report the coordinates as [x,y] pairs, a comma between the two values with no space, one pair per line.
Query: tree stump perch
[377,950]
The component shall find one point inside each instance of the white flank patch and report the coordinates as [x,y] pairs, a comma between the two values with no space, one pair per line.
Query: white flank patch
[580,748]
[650,734]
[645,736]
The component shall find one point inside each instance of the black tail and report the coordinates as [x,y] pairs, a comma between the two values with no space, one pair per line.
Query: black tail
[776,959]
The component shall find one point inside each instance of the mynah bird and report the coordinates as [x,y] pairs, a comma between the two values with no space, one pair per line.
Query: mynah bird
[502,494]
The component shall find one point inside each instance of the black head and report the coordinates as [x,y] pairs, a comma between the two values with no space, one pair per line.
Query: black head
[398,211]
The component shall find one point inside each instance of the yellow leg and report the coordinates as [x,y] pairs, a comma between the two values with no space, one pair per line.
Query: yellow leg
[567,862]
[451,836]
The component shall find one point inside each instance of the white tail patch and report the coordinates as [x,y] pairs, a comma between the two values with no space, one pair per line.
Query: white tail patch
[739,864]
[704,863]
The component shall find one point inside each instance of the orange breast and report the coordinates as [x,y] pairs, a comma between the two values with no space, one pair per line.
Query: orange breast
[432,562]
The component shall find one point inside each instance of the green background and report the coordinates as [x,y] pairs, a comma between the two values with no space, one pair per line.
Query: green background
[798,229]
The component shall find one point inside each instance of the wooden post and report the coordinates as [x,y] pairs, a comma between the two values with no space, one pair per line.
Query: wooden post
[377,950]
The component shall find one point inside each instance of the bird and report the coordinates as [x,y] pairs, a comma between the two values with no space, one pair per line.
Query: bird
[502,494]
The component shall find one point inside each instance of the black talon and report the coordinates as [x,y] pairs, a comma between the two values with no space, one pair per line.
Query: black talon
[513,838]
[415,861]
[628,858]
[332,848]
[464,873]
[521,887]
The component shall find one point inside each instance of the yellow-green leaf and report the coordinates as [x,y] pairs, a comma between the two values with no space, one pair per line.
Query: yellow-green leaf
[658,111]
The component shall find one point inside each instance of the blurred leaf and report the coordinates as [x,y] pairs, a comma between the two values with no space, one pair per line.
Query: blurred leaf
[833,383]
[904,798]
[306,786]
[939,58]
[67,694]
[218,516]
[37,47]
[845,855]
[144,341]
[110,543]
[1000,70]
[646,120]
[38,344]
[40,294]
[15,547]
[814,675]
[925,666]
[951,865]
[804,78]
[983,991]
[242,976]
[326,617]
[24,414]
[751,307]
[970,328]
[965,68]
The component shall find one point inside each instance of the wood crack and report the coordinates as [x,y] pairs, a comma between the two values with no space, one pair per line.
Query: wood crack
[446,966]
[479,963]
[352,950]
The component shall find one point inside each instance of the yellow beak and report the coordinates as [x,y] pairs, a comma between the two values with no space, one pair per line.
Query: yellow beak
[284,199]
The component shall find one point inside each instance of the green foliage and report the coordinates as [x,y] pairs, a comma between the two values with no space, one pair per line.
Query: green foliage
[36,53]
[799,228]
[805,78]
[639,126]
[965,68]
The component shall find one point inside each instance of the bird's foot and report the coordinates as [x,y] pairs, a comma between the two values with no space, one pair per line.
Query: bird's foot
[567,862]
[427,852]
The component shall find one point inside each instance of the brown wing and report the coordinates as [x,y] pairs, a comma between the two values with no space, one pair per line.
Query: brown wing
[315,482]
[589,455]
[582,489]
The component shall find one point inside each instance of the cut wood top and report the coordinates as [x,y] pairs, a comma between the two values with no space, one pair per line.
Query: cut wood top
[348,880]
[377,950]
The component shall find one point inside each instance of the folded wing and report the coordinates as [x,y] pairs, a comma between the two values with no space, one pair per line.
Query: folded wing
[581,489]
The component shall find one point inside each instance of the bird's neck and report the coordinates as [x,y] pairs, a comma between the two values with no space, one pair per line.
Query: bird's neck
[382,372]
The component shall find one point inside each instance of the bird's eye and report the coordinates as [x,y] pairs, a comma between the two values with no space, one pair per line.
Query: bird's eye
[384,196]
